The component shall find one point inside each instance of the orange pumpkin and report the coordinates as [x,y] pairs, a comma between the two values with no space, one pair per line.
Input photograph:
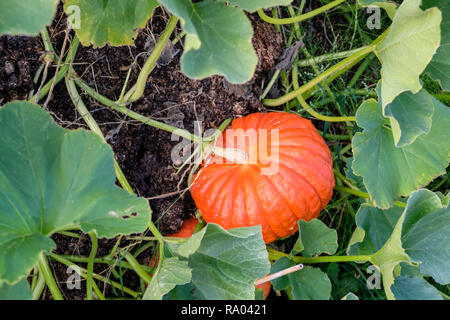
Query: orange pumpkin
[265,287]
[187,229]
[286,175]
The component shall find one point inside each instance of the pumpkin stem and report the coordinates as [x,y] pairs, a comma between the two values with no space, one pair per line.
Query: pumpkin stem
[232,155]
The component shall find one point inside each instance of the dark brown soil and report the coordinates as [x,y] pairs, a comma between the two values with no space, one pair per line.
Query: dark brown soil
[143,152]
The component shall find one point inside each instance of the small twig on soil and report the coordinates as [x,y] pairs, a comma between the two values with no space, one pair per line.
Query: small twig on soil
[44,77]
[169,194]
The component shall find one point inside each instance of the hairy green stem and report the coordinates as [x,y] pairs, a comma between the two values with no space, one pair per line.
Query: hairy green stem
[327,57]
[137,268]
[38,287]
[343,178]
[134,115]
[44,268]
[116,245]
[51,54]
[149,65]
[270,84]
[331,136]
[142,249]
[98,292]
[146,120]
[301,17]
[92,124]
[315,89]
[90,266]
[46,88]
[275,255]
[364,195]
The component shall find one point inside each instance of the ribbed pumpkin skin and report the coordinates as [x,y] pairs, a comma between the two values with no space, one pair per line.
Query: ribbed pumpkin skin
[238,195]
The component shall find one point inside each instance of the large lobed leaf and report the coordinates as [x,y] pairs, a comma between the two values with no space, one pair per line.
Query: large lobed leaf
[26,17]
[228,262]
[315,238]
[411,42]
[389,171]
[54,179]
[418,235]
[305,284]
[214,263]
[218,40]
[109,21]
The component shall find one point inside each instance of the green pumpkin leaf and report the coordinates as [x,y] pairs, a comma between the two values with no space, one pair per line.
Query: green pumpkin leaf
[410,285]
[378,235]
[53,179]
[411,42]
[253,5]
[410,115]
[218,40]
[26,17]
[305,284]
[228,262]
[419,235]
[374,227]
[414,288]
[439,67]
[315,238]
[389,172]
[426,235]
[18,291]
[189,247]
[171,273]
[108,21]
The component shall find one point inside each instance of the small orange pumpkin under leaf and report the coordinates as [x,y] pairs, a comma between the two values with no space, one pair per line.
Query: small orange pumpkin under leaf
[287,175]
[187,229]
[265,287]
